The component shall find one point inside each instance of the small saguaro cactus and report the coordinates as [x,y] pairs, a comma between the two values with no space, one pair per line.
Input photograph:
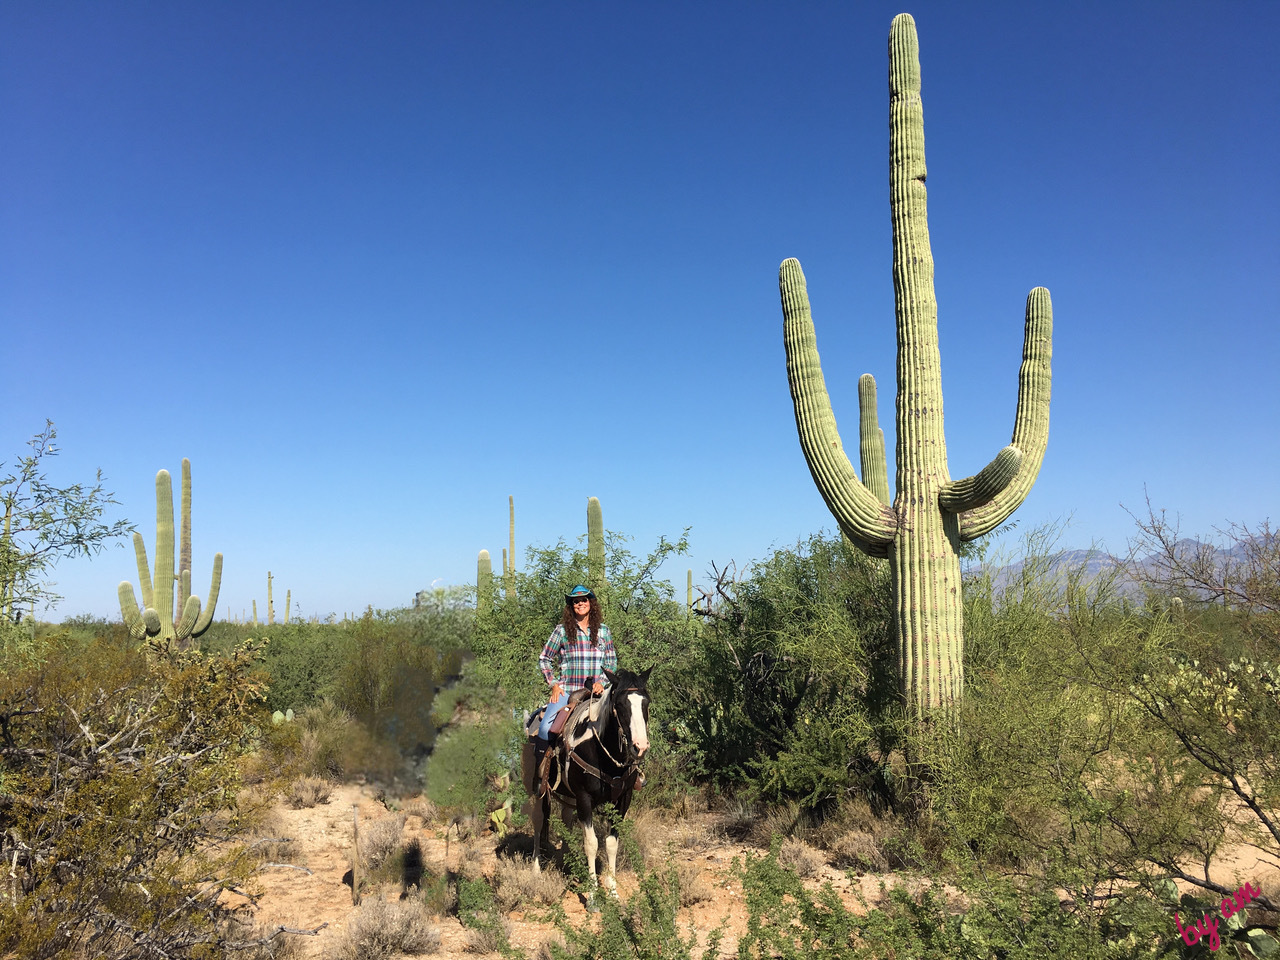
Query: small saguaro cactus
[271,607]
[156,619]
[484,583]
[921,530]
[595,544]
[509,557]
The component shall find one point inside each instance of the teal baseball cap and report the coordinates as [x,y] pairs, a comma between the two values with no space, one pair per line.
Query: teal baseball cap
[578,593]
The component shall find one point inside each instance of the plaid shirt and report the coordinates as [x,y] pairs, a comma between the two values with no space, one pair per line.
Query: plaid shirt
[579,662]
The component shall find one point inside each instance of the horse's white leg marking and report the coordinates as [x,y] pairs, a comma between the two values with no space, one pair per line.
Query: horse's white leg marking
[639,734]
[611,850]
[592,847]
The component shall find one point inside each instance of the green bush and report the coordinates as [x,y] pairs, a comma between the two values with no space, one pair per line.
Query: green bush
[119,770]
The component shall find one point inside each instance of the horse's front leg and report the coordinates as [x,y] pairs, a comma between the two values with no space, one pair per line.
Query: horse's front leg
[611,851]
[591,847]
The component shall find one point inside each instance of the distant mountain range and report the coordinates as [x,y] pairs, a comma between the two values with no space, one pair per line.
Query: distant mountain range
[1127,578]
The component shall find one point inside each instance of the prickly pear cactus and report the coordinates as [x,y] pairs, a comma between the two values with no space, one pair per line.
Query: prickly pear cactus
[156,618]
[921,529]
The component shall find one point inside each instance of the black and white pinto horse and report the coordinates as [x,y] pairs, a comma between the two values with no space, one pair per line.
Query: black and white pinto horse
[597,762]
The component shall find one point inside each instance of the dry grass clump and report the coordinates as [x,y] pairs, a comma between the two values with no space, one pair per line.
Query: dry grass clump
[518,885]
[780,820]
[800,857]
[306,792]
[276,945]
[380,839]
[544,951]
[658,834]
[489,938]
[423,808]
[269,837]
[738,820]
[859,850]
[856,838]
[651,833]
[322,743]
[381,929]
[693,889]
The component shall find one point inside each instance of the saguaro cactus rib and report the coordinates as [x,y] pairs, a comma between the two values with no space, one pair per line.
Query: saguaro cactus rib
[931,514]
[859,512]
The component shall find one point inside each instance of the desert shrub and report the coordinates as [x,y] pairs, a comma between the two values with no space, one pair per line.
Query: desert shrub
[800,858]
[470,759]
[789,691]
[119,769]
[380,839]
[254,940]
[423,808]
[644,927]
[519,886]
[383,928]
[487,931]
[693,888]
[307,792]
[996,920]
[264,830]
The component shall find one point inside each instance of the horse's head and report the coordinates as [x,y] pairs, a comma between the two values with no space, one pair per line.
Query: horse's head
[631,705]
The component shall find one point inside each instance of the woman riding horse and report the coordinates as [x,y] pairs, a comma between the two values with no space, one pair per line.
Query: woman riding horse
[580,662]
[603,750]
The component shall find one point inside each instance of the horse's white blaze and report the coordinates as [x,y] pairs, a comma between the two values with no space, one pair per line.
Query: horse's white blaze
[639,733]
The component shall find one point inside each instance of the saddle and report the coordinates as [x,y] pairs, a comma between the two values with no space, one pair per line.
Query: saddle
[580,705]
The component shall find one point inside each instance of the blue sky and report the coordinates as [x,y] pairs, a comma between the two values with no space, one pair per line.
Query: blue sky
[375,267]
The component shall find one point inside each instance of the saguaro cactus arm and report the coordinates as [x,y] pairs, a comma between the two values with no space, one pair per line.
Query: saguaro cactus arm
[875,476]
[983,486]
[1031,422]
[144,570]
[202,624]
[860,513]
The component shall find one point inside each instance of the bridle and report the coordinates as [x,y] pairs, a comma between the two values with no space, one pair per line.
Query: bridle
[629,769]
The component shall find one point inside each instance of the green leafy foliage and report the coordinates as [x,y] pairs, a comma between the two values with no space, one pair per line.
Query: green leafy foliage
[40,523]
[644,926]
[789,687]
[119,769]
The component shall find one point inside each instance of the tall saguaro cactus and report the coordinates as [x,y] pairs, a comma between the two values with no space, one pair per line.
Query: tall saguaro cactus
[595,544]
[921,530]
[156,619]
[484,583]
[509,559]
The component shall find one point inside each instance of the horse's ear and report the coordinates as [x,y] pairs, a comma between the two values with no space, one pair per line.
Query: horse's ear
[611,677]
[644,677]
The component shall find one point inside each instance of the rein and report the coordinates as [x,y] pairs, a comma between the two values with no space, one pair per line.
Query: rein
[616,784]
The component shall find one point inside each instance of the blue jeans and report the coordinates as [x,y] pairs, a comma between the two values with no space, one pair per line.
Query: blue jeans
[549,715]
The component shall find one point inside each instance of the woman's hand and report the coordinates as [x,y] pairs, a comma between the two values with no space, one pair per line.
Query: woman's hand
[597,688]
[557,692]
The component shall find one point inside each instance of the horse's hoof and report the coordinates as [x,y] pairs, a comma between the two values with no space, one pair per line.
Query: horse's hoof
[592,906]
